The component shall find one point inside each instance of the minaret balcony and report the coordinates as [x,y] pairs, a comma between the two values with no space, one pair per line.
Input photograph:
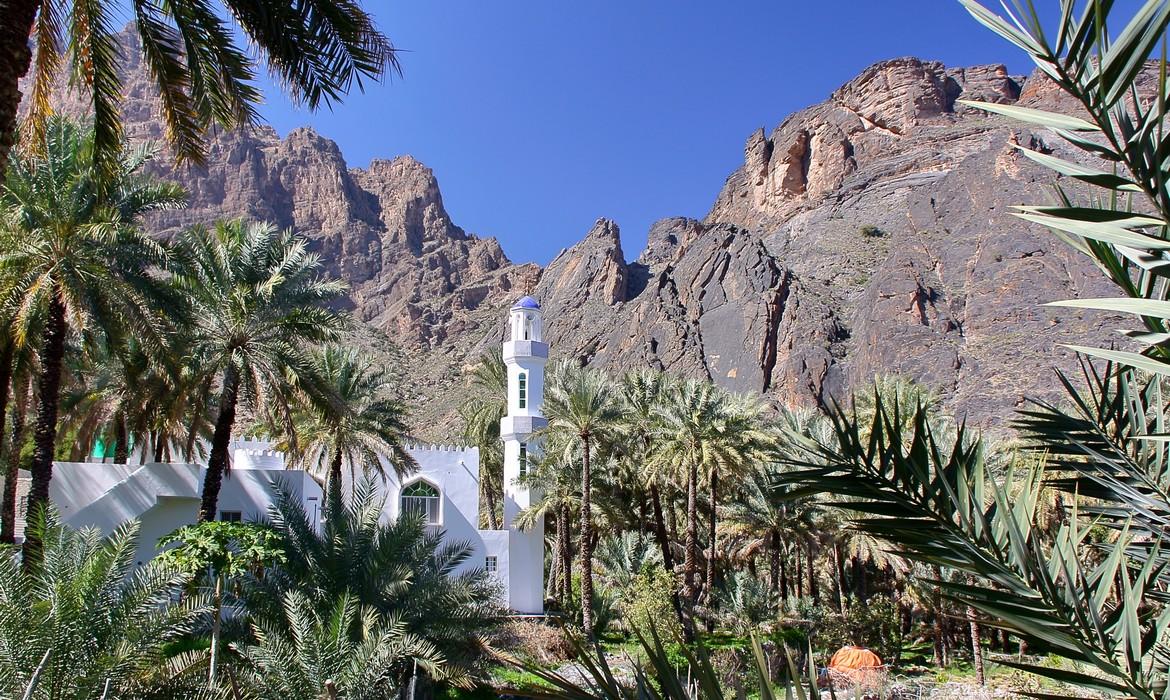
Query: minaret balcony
[512,427]
[525,348]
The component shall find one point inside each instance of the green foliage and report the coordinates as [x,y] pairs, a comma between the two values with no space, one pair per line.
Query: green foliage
[875,624]
[326,648]
[86,616]
[481,416]
[646,603]
[669,672]
[398,569]
[228,549]
[938,504]
[748,604]
[316,51]
[622,557]
[369,427]
[258,302]
[870,231]
[71,231]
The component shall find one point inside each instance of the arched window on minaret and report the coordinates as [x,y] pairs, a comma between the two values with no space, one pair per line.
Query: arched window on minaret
[523,393]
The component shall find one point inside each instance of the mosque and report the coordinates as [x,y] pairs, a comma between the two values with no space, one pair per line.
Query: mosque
[444,490]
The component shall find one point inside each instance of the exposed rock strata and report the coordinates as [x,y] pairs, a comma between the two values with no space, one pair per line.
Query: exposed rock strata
[868,233]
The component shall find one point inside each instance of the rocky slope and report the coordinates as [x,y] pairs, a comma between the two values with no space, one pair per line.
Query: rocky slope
[869,233]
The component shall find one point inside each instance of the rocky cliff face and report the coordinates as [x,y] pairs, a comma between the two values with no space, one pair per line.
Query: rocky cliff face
[869,233]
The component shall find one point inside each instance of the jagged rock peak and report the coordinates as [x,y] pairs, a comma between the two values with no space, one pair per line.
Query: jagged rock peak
[669,238]
[882,112]
[594,270]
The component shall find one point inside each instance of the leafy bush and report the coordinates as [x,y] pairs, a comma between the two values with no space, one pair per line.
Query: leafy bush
[875,624]
[871,231]
[646,604]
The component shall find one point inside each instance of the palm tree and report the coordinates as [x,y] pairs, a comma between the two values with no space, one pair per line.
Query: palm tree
[370,425]
[257,301]
[557,473]
[110,399]
[741,441]
[12,458]
[86,619]
[765,517]
[582,407]
[310,652]
[317,52]
[399,569]
[77,260]
[690,439]
[621,556]
[481,427]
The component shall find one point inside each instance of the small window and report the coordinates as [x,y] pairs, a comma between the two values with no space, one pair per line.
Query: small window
[523,390]
[491,565]
[421,500]
[231,516]
[528,326]
[524,459]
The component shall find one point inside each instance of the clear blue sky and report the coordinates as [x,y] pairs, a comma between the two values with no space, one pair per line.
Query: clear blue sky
[540,116]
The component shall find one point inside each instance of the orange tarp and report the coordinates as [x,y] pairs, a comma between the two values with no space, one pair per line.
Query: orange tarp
[854,659]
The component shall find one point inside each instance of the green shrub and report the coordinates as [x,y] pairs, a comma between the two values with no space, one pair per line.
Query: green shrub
[871,231]
[875,624]
[647,603]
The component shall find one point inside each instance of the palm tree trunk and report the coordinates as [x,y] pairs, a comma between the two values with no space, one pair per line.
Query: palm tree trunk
[566,559]
[15,59]
[189,448]
[813,589]
[976,646]
[121,445]
[217,462]
[7,352]
[660,529]
[553,588]
[45,432]
[709,583]
[160,446]
[334,482]
[691,562]
[838,562]
[785,580]
[664,544]
[774,563]
[487,482]
[586,539]
[215,627]
[8,516]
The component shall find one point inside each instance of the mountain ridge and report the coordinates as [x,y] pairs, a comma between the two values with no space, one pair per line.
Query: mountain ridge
[865,234]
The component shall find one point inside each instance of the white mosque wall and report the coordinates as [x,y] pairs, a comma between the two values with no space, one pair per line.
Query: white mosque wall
[454,472]
[164,497]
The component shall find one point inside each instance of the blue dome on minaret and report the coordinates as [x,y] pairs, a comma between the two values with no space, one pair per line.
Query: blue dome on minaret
[526,303]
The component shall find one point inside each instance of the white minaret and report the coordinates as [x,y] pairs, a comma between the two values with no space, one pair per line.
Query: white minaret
[525,355]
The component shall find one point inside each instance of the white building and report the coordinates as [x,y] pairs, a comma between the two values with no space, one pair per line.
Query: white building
[444,489]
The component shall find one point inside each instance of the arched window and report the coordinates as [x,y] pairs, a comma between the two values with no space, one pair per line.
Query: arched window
[524,459]
[421,500]
[523,390]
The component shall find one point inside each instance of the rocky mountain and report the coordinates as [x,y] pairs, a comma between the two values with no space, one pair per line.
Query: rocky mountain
[867,234]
